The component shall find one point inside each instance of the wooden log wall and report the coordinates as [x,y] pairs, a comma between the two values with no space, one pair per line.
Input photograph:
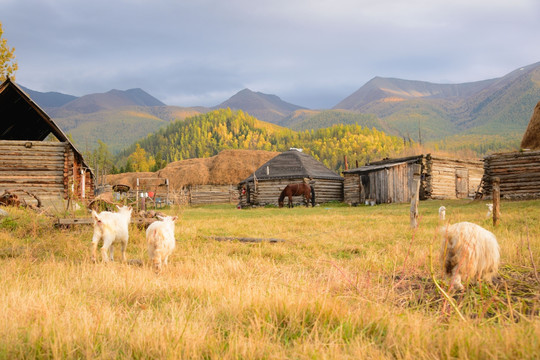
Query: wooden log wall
[453,179]
[268,191]
[519,173]
[35,166]
[351,189]
[49,170]
[213,194]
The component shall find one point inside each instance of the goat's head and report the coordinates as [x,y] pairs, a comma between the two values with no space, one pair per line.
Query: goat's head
[168,218]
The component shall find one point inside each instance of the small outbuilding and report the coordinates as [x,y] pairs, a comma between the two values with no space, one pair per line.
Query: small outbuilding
[519,171]
[390,180]
[36,157]
[293,166]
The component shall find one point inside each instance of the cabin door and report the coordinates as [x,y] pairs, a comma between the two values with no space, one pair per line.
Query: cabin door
[462,183]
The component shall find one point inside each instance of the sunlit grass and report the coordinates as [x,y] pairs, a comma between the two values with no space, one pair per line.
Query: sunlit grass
[346,282]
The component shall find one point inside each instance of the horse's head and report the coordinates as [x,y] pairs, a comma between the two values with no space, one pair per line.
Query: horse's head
[280,204]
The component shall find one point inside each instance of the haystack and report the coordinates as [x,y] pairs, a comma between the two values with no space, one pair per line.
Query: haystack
[227,167]
[531,139]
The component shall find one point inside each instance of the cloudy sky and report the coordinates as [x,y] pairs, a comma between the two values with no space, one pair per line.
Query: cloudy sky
[311,53]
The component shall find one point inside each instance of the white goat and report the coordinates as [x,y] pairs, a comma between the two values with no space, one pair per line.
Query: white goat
[160,240]
[112,228]
[442,213]
[490,210]
[469,253]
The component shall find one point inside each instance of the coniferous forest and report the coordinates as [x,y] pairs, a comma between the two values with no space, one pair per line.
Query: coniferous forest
[207,134]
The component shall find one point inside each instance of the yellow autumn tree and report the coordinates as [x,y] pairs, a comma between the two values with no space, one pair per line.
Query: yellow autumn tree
[140,161]
[8,65]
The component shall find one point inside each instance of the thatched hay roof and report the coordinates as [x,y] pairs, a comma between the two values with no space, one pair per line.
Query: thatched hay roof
[531,138]
[227,167]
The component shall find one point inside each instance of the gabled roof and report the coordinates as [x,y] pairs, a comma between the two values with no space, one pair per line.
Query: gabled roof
[22,119]
[293,164]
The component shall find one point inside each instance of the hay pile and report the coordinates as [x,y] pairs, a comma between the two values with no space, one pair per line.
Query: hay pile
[227,167]
[531,139]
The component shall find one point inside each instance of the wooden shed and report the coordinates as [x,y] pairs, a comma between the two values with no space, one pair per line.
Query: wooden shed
[293,166]
[519,171]
[35,155]
[390,180]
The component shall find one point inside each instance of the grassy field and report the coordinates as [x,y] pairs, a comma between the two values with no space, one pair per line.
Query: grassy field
[346,282]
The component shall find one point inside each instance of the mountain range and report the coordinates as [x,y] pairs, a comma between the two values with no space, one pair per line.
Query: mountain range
[499,108]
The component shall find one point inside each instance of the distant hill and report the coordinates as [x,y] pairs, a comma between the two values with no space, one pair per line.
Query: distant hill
[269,108]
[110,100]
[118,118]
[496,111]
[501,106]
[208,134]
[48,99]
[120,127]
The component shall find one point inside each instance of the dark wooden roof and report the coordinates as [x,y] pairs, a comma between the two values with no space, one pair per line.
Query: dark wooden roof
[388,163]
[22,119]
[383,164]
[293,164]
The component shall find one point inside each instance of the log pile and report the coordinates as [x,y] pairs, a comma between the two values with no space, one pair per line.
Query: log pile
[519,173]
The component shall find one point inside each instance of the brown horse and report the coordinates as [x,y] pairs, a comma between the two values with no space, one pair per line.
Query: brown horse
[301,189]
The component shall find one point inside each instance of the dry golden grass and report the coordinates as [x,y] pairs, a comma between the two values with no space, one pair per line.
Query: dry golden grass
[347,283]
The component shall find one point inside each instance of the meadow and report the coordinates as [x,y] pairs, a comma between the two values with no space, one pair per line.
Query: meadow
[345,283]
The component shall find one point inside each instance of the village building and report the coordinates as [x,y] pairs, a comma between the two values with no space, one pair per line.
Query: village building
[518,171]
[391,180]
[36,157]
[265,185]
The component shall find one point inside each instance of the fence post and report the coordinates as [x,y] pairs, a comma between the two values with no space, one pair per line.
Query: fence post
[415,195]
[496,200]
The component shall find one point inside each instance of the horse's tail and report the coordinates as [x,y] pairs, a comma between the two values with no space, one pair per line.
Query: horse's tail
[312,195]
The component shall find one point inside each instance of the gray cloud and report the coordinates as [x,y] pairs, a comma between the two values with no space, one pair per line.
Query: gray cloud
[311,53]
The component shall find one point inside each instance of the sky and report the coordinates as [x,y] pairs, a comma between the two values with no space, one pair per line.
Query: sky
[312,53]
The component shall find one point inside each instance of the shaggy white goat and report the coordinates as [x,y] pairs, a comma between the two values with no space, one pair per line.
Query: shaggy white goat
[442,213]
[160,240]
[112,228]
[469,253]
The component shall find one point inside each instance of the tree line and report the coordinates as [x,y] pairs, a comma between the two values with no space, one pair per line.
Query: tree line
[207,134]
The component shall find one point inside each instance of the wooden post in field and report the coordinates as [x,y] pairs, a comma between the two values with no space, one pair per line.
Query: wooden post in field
[496,200]
[346,164]
[415,195]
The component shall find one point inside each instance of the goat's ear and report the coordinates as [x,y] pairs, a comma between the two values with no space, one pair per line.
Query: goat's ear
[174,218]
[95,215]
[118,207]
[160,217]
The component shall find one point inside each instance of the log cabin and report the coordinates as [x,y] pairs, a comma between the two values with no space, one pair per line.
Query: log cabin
[292,166]
[36,156]
[390,180]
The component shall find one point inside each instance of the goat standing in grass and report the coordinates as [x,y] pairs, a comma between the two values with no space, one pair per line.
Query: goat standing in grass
[160,240]
[112,228]
[442,213]
[469,253]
